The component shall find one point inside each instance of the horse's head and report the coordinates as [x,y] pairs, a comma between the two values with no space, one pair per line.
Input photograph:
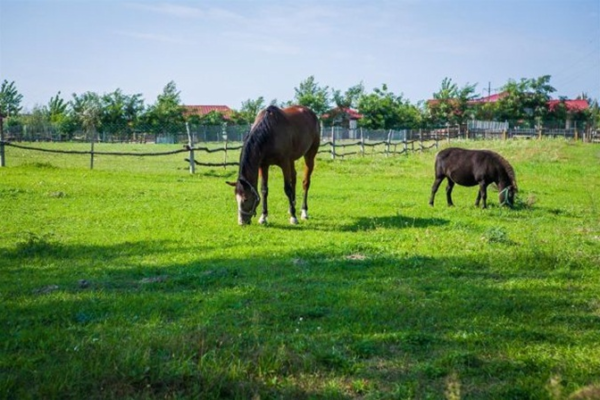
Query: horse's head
[507,195]
[247,198]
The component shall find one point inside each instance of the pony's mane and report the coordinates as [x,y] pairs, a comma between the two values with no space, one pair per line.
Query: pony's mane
[508,168]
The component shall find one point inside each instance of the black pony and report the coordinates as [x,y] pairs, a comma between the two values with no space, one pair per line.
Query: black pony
[474,167]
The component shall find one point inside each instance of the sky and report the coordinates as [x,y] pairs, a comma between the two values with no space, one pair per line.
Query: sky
[224,52]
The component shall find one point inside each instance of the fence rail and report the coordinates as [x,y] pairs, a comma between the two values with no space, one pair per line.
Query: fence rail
[337,142]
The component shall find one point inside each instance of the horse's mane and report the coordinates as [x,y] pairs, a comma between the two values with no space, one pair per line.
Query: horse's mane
[508,168]
[260,132]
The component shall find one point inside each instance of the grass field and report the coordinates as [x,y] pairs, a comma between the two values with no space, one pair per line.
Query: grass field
[133,280]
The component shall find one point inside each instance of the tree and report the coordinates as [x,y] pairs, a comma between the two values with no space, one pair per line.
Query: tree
[166,115]
[525,101]
[382,109]
[120,113]
[311,95]
[10,99]
[59,117]
[348,99]
[213,118]
[451,103]
[87,111]
[250,108]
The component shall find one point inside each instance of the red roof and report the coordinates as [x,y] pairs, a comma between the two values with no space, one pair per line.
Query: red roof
[203,110]
[490,99]
[572,105]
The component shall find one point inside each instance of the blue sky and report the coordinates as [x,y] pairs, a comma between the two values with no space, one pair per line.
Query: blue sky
[225,52]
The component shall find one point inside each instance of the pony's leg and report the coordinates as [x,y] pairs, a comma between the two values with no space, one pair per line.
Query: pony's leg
[482,194]
[434,189]
[264,189]
[449,192]
[289,187]
[309,166]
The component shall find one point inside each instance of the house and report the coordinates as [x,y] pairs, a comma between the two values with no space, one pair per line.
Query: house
[344,116]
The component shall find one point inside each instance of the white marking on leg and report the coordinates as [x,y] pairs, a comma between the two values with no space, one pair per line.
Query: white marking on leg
[238,198]
[304,214]
[263,219]
[293,221]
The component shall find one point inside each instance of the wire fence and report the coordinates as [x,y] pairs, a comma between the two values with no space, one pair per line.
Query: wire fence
[337,142]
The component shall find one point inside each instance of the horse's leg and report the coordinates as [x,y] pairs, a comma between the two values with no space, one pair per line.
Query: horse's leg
[289,186]
[449,191]
[434,189]
[309,165]
[264,189]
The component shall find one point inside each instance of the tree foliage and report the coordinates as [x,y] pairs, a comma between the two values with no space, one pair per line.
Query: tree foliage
[166,115]
[87,111]
[525,100]
[382,109]
[350,98]
[313,96]
[10,99]
[121,113]
[451,104]
[250,108]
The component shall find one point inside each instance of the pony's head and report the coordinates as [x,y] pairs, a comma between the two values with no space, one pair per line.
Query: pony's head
[247,198]
[507,195]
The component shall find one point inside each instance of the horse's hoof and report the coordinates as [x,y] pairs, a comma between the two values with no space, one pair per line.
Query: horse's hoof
[304,214]
[262,220]
[293,221]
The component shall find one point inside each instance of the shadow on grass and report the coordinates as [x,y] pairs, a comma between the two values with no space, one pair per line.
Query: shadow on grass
[394,221]
[302,325]
[367,224]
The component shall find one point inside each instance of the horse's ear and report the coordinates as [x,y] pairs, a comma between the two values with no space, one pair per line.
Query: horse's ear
[234,184]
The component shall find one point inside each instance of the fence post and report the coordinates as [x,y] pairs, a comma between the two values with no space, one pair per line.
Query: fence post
[420,140]
[387,144]
[332,144]
[362,143]
[2,154]
[225,136]
[92,150]
[191,147]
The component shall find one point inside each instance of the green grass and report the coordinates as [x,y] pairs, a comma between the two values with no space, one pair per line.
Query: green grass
[133,280]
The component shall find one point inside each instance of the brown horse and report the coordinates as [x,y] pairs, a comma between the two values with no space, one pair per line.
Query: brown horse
[474,167]
[277,137]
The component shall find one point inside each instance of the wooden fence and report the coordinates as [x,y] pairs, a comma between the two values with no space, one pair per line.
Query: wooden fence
[339,149]
[337,143]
